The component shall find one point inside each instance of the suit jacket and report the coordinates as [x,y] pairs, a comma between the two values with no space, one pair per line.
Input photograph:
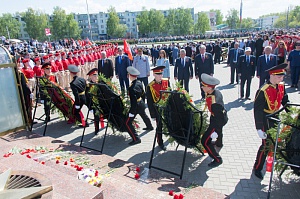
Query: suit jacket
[262,65]
[251,44]
[107,69]
[259,47]
[183,72]
[204,67]
[231,54]
[217,50]
[209,48]
[246,69]
[121,68]
[189,51]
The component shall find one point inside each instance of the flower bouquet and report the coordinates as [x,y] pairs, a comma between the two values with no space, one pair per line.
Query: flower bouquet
[91,176]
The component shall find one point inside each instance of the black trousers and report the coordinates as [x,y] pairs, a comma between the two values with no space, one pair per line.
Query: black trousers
[123,80]
[77,111]
[233,68]
[247,79]
[262,80]
[159,131]
[185,82]
[202,91]
[217,58]
[208,145]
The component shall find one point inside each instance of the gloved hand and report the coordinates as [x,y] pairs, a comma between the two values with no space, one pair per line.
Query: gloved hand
[42,101]
[91,111]
[261,134]
[31,95]
[214,136]
[77,107]
[153,119]
[131,115]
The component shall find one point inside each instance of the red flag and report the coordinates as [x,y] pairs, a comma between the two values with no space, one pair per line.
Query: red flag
[127,49]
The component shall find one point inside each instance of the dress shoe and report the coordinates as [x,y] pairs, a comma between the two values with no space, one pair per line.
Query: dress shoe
[137,141]
[96,131]
[292,86]
[242,97]
[248,98]
[296,86]
[162,147]
[148,128]
[214,163]
[258,174]
[231,83]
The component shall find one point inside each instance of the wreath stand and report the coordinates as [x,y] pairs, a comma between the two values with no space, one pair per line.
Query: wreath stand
[280,151]
[108,103]
[184,134]
[38,89]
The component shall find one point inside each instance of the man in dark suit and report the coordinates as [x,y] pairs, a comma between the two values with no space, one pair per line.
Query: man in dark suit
[210,48]
[232,61]
[203,64]
[259,46]
[105,66]
[246,70]
[251,43]
[188,50]
[183,70]
[121,64]
[264,63]
[218,52]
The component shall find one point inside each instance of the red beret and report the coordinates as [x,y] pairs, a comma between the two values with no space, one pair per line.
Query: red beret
[50,55]
[57,54]
[37,59]
[63,53]
[69,53]
[25,60]
[45,57]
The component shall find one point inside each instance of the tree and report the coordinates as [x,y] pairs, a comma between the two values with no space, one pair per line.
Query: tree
[58,23]
[280,22]
[202,24]
[8,22]
[72,27]
[143,22]
[219,16]
[156,21]
[170,22]
[247,23]
[114,28]
[232,18]
[36,22]
[183,21]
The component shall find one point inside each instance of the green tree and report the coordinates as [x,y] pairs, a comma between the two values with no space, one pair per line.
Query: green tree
[8,22]
[232,18]
[156,21]
[280,22]
[170,22]
[183,21]
[36,22]
[113,22]
[72,27]
[202,24]
[58,23]
[143,22]
[219,16]
[120,31]
[247,23]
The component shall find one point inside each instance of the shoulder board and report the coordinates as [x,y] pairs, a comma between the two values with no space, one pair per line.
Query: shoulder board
[264,87]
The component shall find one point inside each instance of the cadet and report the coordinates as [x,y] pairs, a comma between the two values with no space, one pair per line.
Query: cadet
[218,118]
[137,105]
[78,86]
[153,96]
[268,99]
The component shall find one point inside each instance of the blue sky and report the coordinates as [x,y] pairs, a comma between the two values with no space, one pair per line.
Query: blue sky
[251,8]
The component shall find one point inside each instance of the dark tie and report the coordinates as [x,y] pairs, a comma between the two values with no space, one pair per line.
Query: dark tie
[202,58]
[248,60]
[102,62]
[268,59]
[235,55]
[182,62]
[119,59]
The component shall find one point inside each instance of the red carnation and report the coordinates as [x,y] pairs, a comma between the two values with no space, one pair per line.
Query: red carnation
[23,152]
[137,169]
[171,192]
[57,161]
[66,163]
[176,197]
[28,156]
[96,173]
[43,162]
[181,196]
[42,151]
[204,151]
[136,176]
[6,155]
[79,168]
[71,160]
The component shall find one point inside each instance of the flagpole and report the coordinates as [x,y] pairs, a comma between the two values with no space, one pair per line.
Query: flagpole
[241,12]
[89,20]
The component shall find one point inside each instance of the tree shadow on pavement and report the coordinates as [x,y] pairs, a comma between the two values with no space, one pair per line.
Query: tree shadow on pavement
[228,86]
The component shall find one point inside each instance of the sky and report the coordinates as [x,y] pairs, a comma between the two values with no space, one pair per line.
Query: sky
[251,8]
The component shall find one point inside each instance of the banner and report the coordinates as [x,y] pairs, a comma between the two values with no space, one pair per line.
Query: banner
[127,49]
[47,31]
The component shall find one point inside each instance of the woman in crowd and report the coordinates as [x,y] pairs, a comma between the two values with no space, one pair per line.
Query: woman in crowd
[266,41]
[281,52]
[163,61]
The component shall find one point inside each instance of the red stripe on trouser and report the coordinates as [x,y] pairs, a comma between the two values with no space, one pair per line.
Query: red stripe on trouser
[129,130]
[261,153]
[209,148]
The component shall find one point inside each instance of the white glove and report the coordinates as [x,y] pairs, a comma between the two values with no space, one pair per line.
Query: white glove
[214,136]
[131,115]
[77,107]
[42,101]
[153,119]
[261,134]
[31,95]
[91,111]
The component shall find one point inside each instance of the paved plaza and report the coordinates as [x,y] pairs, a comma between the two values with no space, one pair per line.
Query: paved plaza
[233,178]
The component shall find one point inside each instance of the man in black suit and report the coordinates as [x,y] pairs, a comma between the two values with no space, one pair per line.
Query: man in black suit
[232,61]
[105,66]
[203,64]
[259,46]
[121,64]
[218,51]
[183,70]
[210,48]
[251,43]
[188,50]
[246,70]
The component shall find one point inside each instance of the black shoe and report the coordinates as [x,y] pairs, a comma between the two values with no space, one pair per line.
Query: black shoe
[258,174]
[87,124]
[242,97]
[248,98]
[231,83]
[148,128]
[292,86]
[214,163]
[47,119]
[296,86]
[162,147]
[96,131]
[137,141]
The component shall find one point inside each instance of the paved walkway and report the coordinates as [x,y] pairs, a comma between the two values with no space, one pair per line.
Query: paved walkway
[233,178]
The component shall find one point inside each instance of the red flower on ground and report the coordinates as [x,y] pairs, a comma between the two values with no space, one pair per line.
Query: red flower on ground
[7,155]
[42,151]
[28,156]
[57,161]
[279,140]
[204,151]
[79,168]
[176,197]
[66,163]
[71,160]
[171,192]
[23,152]
[43,162]
[181,196]
[96,173]
[137,169]
[51,150]
[136,176]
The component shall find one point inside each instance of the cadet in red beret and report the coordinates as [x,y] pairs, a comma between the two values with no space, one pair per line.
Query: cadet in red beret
[38,67]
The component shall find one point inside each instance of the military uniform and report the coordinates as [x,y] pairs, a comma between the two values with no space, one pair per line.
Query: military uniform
[78,86]
[268,100]
[218,118]
[137,106]
[153,96]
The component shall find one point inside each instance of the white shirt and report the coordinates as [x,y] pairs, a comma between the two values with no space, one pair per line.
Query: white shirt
[266,56]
